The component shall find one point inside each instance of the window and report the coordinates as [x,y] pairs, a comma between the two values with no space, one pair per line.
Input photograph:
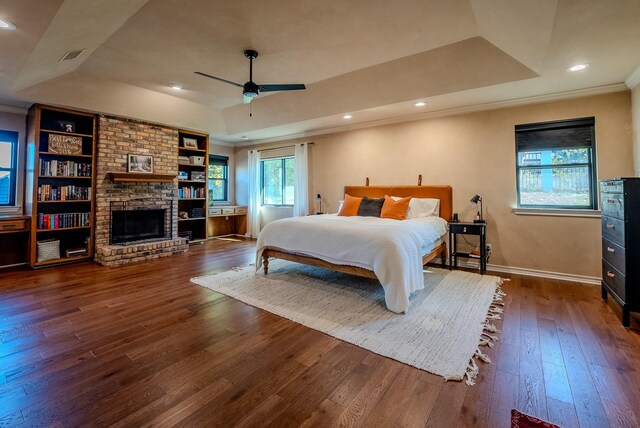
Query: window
[8,166]
[218,181]
[556,165]
[277,181]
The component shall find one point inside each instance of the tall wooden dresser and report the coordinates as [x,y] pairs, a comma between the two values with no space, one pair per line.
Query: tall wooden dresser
[621,243]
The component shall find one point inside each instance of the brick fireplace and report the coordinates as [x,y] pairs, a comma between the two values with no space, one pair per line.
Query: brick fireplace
[118,137]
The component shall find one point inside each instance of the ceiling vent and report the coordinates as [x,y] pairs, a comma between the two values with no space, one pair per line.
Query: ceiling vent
[71,55]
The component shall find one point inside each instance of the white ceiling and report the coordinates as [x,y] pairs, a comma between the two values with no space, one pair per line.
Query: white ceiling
[372,59]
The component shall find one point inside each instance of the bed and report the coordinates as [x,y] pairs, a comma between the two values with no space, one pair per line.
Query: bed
[392,251]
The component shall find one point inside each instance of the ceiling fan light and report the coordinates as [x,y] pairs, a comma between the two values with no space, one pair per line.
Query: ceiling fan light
[250,89]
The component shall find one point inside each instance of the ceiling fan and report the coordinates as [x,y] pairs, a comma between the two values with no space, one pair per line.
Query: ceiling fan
[250,90]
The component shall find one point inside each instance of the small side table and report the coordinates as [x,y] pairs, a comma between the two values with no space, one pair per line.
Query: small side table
[479,229]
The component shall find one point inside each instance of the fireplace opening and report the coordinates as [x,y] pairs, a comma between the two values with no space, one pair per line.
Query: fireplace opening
[140,225]
[140,221]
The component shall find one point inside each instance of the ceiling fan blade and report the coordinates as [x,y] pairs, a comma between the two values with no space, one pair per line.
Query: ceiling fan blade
[246,100]
[217,78]
[282,87]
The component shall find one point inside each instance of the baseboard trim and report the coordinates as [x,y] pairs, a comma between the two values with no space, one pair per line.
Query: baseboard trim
[469,264]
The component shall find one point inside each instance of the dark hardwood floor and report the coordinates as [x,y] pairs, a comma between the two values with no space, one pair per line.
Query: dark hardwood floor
[140,345]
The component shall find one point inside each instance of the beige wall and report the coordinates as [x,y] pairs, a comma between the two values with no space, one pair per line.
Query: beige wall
[475,153]
[635,112]
[220,150]
[17,123]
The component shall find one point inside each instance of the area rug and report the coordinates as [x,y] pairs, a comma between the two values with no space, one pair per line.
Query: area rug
[522,420]
[442,332]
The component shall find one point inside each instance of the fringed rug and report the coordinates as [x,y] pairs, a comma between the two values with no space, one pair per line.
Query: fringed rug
[442,333]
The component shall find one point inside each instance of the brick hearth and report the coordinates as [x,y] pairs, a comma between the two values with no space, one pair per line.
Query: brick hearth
[117,138]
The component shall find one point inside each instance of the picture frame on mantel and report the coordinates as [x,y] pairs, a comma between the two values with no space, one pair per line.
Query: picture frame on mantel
[140,163]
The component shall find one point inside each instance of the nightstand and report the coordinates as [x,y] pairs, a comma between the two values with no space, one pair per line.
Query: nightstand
[479,229]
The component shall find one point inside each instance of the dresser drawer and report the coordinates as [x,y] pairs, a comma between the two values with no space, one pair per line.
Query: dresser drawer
[240,210]
[613,205]
[614,255]
[614,279]
[228,211]
[13,225]
[613,230]
[614,186]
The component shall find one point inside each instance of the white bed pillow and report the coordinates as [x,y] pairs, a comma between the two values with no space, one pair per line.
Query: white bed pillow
[422,207]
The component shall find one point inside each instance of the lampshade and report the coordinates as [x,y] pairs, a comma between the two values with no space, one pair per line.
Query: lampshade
[475,199]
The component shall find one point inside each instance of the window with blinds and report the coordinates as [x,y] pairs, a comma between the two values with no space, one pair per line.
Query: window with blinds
[218,179]
[556,164]
[8,167]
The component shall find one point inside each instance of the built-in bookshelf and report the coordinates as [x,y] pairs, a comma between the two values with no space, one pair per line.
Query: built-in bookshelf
[193,157]
[60,185]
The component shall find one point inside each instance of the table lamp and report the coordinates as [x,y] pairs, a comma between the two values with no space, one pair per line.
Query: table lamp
[479,215]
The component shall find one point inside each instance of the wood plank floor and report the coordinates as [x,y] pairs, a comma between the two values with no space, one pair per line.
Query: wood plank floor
[138,345]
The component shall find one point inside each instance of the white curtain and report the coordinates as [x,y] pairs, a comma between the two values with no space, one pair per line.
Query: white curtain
[301,189]
[253,208]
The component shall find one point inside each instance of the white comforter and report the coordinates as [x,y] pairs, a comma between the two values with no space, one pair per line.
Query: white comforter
[392,249]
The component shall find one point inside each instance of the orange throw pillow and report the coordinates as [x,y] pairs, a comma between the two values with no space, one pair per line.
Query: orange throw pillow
[396,210]
[350,206]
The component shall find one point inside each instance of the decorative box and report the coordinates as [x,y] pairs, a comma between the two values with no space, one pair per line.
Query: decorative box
[215,211]
[240,210]
[196,160]
[183,175]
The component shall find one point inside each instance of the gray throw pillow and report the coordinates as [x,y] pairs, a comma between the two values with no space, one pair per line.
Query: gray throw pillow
[370,207]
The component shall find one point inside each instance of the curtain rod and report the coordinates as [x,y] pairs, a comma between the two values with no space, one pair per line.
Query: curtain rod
[284,147]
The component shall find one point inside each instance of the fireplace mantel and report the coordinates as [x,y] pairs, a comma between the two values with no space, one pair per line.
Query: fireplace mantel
[139,177]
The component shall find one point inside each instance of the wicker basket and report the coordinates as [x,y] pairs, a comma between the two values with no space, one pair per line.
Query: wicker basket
[48,250]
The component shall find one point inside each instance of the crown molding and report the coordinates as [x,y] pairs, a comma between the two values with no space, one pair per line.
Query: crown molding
[495,105]
[12,109]
[221,143]
[633,79]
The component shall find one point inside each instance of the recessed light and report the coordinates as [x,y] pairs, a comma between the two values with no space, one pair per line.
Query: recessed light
[421,104]
[346,116]
[175,86]
[6,25]
[578,67]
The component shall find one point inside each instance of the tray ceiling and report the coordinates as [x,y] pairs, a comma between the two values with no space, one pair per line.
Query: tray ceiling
[371,59]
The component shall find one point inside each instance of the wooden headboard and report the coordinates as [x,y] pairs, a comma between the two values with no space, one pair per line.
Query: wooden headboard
[444,193]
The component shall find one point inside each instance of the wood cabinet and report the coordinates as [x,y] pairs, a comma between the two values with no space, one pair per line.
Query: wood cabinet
[227,220]
[14,239]
[621,243]
[60,182]
[193,159]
